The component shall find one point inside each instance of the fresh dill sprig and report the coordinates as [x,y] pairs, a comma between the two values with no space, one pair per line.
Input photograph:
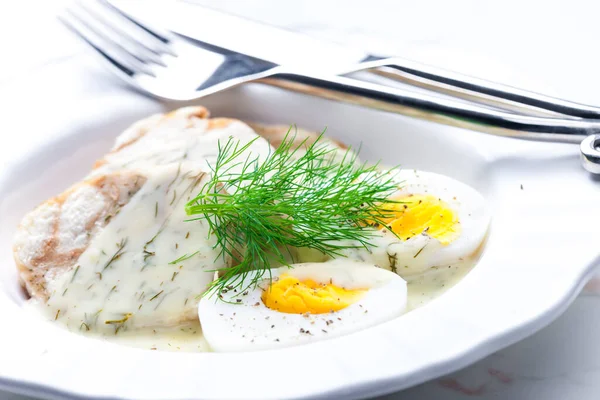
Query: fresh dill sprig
[260,208]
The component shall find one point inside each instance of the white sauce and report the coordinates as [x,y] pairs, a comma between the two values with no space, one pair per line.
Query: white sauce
[188,337]
[427,287]
[126,279]
[178,140]
[422,289]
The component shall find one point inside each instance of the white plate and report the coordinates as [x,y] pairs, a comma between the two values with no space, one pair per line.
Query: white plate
[542,246]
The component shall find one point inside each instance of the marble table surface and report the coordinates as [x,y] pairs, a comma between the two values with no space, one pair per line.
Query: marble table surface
[546,46]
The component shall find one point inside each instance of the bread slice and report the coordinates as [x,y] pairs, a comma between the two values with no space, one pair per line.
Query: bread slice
[51,238]
[275,134]
[302,139]
[56,244]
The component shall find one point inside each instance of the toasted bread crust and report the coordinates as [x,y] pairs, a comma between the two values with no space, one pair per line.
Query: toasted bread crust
[47,244]
[275,134]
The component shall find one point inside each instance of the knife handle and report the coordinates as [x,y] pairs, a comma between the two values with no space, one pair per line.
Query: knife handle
[456,84]
[437,109]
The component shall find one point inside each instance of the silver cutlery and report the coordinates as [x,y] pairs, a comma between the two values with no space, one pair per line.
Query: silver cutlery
[288,48]
[176,67]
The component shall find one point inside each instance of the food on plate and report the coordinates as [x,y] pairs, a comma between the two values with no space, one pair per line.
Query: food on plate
[437,222]
[302,304]
[188,217]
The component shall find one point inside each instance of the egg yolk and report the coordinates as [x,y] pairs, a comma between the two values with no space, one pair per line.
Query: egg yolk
[419,214]
[290,295]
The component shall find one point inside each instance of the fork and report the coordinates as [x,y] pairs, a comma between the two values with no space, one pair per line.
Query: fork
[175,67]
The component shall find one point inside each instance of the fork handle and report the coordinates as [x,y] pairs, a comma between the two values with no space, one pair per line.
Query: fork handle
[443,80]
[437,109]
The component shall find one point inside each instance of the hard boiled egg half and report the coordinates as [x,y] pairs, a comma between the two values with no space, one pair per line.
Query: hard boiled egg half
[436,222]
[304,303]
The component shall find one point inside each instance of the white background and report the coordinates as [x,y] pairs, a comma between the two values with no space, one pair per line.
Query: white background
[548,46]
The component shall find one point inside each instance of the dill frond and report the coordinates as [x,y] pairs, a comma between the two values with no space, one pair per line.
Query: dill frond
[260,208]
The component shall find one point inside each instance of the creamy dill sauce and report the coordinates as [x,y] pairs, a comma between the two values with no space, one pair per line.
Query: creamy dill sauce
[177,140]
[188,336]
[427,287]
[127,277]
[142,274]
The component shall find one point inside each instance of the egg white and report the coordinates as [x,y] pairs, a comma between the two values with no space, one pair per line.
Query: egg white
[422,253]
[241,321]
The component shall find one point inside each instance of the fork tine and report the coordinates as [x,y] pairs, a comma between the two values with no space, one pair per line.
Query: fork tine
[86,28]
[116,57]
[161,40]
[133,46]
[92,43]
